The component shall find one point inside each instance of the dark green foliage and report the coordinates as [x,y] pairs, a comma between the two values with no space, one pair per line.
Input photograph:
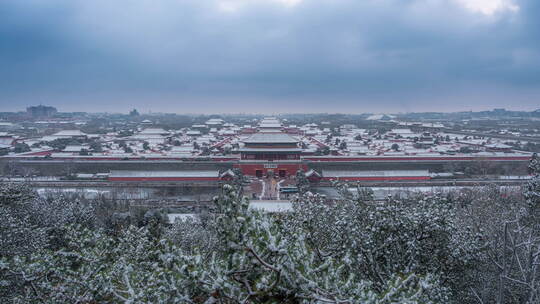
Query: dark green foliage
[21,148]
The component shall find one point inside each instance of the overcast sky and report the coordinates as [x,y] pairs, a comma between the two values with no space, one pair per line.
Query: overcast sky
[270,56]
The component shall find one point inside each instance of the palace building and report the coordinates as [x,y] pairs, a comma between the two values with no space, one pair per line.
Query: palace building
[270,146]
[270,125]
[269,153]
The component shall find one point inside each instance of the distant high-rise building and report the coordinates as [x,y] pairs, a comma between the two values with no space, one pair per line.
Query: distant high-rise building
[41,111]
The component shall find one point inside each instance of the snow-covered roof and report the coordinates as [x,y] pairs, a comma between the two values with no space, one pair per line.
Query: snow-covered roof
[187,173]
[153,131]
[375,117]
[260,138]
[182,149]
[386,173]
[401,131]
[148,137]
[270,149]
[228,132]
[311,132]
[193,132]
[74,148]
[214,121]
[312,172]
[69,133]
[498,146]
[228,172]
[270,125]
[7,141]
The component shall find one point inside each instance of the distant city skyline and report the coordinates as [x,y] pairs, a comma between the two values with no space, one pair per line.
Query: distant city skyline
[150,111]
[270,56]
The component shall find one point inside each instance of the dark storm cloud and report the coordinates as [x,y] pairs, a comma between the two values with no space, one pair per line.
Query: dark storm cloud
[240,56]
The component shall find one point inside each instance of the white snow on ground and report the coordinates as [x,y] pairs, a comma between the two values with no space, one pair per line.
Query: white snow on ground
[278,187]
[271,206]
[27,179]
[181,216]
[86,193]
[263,189]
[382,192]
[92,193]
[515,177]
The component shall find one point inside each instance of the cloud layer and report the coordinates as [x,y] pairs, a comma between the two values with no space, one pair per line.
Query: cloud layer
[270,55]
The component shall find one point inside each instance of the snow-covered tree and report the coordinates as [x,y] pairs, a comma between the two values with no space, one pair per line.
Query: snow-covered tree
[256,262]
[508,223]
[302,183]
[380,239]
[19,234]
[13,194]
[29,223]
[532,189]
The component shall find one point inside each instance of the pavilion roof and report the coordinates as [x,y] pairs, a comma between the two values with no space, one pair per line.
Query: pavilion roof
[270,138]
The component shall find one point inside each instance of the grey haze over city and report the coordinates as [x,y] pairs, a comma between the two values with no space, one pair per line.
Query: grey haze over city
[272,56]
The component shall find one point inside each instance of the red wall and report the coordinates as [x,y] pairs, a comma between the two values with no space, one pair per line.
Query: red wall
[413,158]
[42,153]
